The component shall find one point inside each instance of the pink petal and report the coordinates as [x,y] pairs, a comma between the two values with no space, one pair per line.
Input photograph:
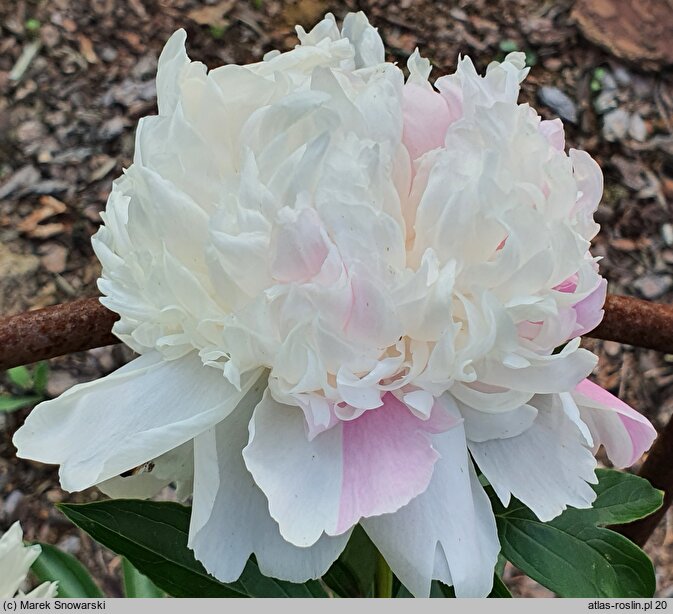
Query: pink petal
[388,460]
[589,311]
[426,119]
[569,285]
[602,407]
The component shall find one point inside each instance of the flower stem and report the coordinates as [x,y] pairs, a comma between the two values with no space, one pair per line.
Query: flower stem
[383,581]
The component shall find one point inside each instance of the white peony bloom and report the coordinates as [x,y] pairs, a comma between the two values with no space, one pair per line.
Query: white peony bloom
[343,287]
[15,562]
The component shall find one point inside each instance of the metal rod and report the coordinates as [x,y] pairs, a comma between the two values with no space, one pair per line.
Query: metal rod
[85,324]
[54,331]
[658,470]
[636,322]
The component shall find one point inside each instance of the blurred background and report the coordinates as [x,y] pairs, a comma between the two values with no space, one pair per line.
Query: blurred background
[76,76]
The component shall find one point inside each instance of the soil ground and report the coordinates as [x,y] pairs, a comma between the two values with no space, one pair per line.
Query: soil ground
[76,76]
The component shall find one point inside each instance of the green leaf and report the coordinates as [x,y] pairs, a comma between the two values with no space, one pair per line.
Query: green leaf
[621,498]
[499,589]
[32,24]
[73,578]
[573,555]
[438,590]
[352,574]
[40,376]
[20,377]
[508,45]
[136,584]
[153,537]
[9,404]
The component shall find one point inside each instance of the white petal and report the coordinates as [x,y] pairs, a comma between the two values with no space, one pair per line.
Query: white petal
[176,465]
[172,61]
[46,590]
[312,470]
[482,426]
[15,560]
[100,429]
[230,517]
[555,373]
[547,467]
[365,40]
[452,521]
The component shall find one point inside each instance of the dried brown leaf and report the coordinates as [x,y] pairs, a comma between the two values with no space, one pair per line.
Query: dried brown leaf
[86,49]
[49,207]
[212,15]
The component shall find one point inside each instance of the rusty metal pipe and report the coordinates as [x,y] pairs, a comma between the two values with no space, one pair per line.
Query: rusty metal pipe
[54,331]
[636,322]
[85,324]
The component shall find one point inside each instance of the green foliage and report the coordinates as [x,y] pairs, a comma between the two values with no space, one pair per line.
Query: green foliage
[508,45]
[352,574]
[597,79]
[217,32]
[20,377]
[531,57]
[499,590]
[136,584]
[31,386]
[32,24]
[574,555]
[9,403]
[73,579]
[153,537]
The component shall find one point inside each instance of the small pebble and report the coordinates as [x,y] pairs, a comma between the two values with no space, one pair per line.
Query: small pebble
[612,348]
[653,286]
[637,128]
[12,503]
[605,101]
[559,102]
[622,75]
[615,125]
[108,54]
[70,544]
[59,382]
[54,257]
[667,234]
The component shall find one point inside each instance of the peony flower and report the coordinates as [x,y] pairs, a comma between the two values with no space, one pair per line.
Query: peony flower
[15,561]
[344,287]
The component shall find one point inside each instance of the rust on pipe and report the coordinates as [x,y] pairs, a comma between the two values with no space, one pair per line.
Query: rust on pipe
[85,324]
[636,322]
[658,470]
[53,331]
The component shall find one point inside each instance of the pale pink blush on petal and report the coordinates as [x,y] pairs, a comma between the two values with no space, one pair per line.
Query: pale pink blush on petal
[299,248]
[639,429]
[589,179]
[426,119]
[388,460]
[319,414]
[569,285]
[589,311]
[552,130]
